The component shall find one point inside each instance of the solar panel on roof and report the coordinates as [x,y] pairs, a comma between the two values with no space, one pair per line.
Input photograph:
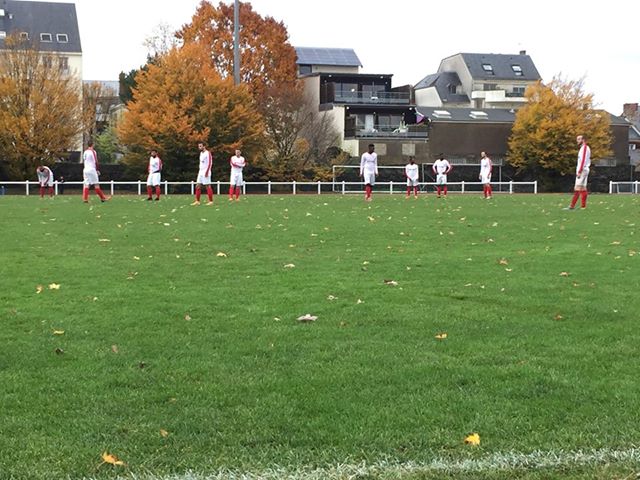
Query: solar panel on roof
[327,56]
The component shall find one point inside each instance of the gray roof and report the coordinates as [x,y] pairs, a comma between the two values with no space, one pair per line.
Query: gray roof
[634,134]
[468,115]
[501,65]
[441,82]
[36,18]
[344,57]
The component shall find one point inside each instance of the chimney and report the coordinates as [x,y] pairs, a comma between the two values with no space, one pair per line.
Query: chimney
[523,52]
[629,110]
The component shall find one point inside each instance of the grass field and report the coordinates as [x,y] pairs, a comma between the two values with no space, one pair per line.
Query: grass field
[167,335]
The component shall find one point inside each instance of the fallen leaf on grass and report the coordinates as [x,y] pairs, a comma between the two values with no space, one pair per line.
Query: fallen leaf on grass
[221,254]
[58,332]
[508,269]
[187,317]
[503,261]
[441,336]
[111,459]
[289,265]
[307,318]
[104,240]
[558,317]
[393,283]
[136,258]
[473,439]
[359,301]
[564,274]
[59,351]
[164,433]
[54,286]
[331,298]
[615,243]
[114,348]
[39,288]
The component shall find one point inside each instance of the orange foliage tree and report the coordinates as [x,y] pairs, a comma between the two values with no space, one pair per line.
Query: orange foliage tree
[544,133]
[267,57]
[181,100]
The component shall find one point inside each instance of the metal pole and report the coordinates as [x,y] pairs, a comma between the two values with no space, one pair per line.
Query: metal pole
[236,42]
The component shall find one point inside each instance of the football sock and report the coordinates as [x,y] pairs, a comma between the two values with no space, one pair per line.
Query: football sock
[210,193]
[231,192]
[583,198]
[99,192]
[408,191]
[237,193]
[51,191]
[445,190]
[41,192]
[574,200]
[149,192]
[415,191]
[85,194]
[157,192]
[489,190]
[198,193]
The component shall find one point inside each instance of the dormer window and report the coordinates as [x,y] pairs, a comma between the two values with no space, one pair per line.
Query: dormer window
[488,68]
[24,35]
[62,38]
[46,37]
[453,89]
[517,69]
[3,34]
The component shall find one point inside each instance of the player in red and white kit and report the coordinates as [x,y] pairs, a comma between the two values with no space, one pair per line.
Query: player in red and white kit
[90,173]
[369,170]
[441,167]
[45,179]
[237,163]
[485,174]
[153,179]
[411,172]
[582,172]
[204,174]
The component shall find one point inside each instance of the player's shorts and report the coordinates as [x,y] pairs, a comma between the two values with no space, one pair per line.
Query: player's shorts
[412,182]
[90,177]
[581,180]
[485,178]
[203,178]
[441,179]
[47,183]
[236,179]
[369,178]
[153,179]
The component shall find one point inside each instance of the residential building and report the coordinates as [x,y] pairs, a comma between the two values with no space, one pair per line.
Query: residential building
[364,108]
[631,112]
[478,80]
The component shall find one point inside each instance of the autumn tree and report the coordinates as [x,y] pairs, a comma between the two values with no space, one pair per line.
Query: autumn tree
[544,133]
[91,93]
[41,108]
[180,100]
[267,57]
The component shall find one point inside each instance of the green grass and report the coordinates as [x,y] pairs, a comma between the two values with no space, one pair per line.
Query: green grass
[160,333]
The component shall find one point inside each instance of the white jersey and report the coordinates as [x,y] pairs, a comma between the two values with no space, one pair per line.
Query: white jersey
[369,163]
[441,166]
[411,171]
[584,159]
[237,164]
[155,164]
[485,167]
[205,163]
[45,177]
[90,159]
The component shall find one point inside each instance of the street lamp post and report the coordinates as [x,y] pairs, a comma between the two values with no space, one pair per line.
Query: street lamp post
[236,42]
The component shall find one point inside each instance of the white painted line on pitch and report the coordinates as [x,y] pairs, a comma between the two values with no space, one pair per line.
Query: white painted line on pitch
[383,469]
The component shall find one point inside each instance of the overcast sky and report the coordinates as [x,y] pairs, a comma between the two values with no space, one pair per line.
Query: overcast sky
[406,37]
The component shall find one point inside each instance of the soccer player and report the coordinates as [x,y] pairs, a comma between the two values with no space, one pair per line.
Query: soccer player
[369,170]
[204,174]
[45,179]
[411,172]
[237,163]
[153,179]
[91,173]
[485,174]
[441,168]
[582,172]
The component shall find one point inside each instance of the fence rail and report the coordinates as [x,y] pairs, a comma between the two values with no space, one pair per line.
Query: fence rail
[341,187]
[624,187]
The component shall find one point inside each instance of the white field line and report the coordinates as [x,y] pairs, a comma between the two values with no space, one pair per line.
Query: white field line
[393,470]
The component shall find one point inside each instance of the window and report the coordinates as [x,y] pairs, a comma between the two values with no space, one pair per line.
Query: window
[517,69]
[441,114]
[24,35]
[477,115]
[47,61]
[518,91]
[487,68]
[488,87]
[62,38]
[451,88]
[304,69]
[63,63]
[46,37]
[3,34]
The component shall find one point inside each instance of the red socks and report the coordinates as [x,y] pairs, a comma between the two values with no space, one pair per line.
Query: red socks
[574,200]
[85,194]
[367,190]
[210,193]
[408,191]
[237,193]
[583,198]
[231,192]
[415,191]
[445,190]
[149,192]
[100,194]
[198,193]
[157,192]
[487,191]
[41,192]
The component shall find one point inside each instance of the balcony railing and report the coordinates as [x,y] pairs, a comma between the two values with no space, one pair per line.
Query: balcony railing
[388,131]
[385,98]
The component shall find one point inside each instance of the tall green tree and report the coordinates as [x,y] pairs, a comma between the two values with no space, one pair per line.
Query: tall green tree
[544,132]
[40,111]
[181,100]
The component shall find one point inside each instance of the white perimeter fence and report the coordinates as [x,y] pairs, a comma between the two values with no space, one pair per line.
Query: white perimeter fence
[269,188]
[624,187]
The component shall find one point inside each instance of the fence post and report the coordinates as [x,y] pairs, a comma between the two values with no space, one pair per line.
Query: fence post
[166,188]
[511,186]
[269,187]
[139,187]
[26,186]
[636,187]
[112,188]
[244,188]
[463,186]
[343,187]
[610,187]
[192,187]
[391,187]
[319,188]
[218,188]
[535,187]
[294,187]
[55,187]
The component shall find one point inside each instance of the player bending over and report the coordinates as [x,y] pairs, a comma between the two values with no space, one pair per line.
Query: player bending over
[45,179]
